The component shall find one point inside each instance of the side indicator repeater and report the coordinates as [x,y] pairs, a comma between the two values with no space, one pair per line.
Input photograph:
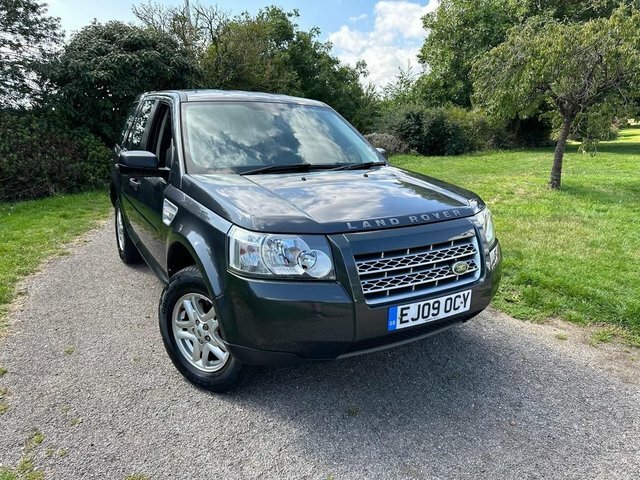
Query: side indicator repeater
[169,211]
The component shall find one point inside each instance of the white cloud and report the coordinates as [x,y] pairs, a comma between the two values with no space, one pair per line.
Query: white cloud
[357,18]
[394,41]
[403,17]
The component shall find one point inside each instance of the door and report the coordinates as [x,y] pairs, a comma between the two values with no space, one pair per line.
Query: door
[147,193]
[129,185]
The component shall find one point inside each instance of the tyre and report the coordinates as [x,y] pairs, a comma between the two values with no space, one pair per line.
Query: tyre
[192,336]
[126,249]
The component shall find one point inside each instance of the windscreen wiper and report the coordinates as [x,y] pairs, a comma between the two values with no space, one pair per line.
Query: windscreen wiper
[293,167]
[359,166]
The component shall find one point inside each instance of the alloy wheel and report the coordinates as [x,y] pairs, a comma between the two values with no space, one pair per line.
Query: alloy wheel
[120,229]
[197,333]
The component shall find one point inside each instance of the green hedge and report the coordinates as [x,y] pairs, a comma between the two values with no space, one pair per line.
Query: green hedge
[454,130]
[39,156]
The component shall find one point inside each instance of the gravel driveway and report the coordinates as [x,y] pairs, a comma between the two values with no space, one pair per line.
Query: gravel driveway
[495,398]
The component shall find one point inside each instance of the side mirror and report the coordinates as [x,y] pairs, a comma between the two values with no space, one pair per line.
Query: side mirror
[383,152]
[141,163]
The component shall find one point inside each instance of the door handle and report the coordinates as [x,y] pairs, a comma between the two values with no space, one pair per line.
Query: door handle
[135,183]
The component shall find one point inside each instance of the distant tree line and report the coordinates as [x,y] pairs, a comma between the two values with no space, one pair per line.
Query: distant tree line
[63,103]
[497,74]
[569,65]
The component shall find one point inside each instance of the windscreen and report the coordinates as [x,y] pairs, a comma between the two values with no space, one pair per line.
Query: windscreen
[238,136]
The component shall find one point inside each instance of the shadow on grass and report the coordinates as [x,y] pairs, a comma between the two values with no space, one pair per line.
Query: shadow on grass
[623,193]
[606,148]
[628,143]
[618,148]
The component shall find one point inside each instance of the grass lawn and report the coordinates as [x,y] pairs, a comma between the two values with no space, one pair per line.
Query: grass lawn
[33,230]
[574,253]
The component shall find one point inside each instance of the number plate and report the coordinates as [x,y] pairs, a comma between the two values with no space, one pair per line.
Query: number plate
[423,312]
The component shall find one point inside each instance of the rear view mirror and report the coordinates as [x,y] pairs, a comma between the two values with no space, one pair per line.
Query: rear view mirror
[382,152]
[141,163]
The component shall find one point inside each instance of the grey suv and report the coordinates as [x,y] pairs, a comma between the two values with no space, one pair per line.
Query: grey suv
[283,236]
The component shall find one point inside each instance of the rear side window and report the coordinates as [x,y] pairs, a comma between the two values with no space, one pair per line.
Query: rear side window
[134,142]
[128,123]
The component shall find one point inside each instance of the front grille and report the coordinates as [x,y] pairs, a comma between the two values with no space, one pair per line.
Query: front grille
[397,274]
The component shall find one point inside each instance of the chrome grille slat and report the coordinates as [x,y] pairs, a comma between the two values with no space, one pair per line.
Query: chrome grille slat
[413,279]
[396,274]
[417,260]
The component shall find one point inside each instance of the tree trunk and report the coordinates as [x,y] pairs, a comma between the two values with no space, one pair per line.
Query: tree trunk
[556,170]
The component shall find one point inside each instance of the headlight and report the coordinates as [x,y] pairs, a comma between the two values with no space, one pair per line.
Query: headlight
[269,255]
[486,220]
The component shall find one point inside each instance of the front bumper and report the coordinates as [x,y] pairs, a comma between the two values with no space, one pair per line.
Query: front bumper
[287,322]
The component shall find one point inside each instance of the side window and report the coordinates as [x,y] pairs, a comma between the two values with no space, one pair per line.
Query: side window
[134,141]
[160,139]
[165,144]
[128,123]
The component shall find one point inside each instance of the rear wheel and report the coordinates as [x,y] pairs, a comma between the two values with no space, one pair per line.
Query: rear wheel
[191,333]
[126,249]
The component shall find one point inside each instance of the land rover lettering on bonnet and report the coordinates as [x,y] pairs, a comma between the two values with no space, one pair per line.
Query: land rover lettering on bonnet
[282,236]
[394,221]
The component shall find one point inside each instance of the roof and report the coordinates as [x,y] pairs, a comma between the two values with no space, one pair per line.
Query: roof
[239,96]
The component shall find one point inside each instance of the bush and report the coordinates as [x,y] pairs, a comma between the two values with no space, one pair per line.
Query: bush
[391,143]
[454,130]
[604,134]
[530,132]
[482,132]
[443,135]
[40,157]
[427,131]
[611,133]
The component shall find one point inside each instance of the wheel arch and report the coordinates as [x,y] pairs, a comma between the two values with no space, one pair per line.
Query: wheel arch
[185,251]
[179,257]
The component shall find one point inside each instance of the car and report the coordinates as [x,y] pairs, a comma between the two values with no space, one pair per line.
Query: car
[282,236]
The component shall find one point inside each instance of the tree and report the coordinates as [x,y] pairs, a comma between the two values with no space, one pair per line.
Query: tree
[268,52]
[28,39]
[265,52]
[323,77]
[460,31]
[194,28]
[579,70]
[402,90]
[251,53]
[104,67]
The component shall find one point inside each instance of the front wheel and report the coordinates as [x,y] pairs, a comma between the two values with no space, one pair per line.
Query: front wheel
[190,330]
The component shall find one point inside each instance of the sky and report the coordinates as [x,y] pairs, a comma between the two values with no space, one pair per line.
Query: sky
[386,34]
